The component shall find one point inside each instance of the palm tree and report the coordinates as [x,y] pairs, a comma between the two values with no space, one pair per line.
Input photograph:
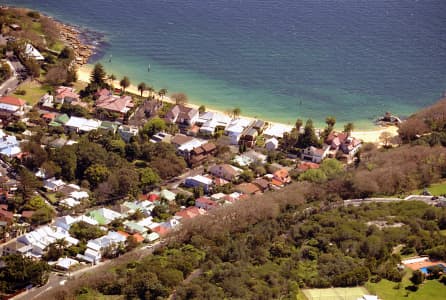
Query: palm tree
[330,121]
[236,112]
[348,128]
[298,124]
[142,87]
[112,78]
[150,89]
[162,92]
[124,83]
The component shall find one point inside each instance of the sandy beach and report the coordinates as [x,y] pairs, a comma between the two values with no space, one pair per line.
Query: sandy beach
[368,136]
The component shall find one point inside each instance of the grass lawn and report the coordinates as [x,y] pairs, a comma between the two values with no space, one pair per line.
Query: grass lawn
[94,295]
[52,198]
[34,91]
[387,290]
[333,293]
[436,189]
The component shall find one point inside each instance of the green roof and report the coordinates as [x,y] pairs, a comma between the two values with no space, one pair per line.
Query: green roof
[132,226]
[96,215]
[62,119]
[54,124]
[168,195]
[108,126]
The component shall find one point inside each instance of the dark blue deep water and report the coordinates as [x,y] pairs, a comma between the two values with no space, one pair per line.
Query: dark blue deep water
[278,59]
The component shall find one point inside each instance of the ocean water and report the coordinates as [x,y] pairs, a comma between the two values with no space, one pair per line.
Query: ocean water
[275,59]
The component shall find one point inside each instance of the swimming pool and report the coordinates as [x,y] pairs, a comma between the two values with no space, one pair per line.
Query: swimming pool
[425,269]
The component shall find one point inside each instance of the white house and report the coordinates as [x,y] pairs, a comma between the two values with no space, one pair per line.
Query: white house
[314,154]
[277,130]
[33,53]
[127,132]
[77,124]
[65,222]
[235,128]
[199,180]
[65,263]
[69,202]
[271,144]
[53,184]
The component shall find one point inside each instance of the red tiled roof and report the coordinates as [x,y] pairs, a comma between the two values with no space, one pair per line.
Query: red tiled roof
[27,213]
[138,237]
[6,215]
[190,212]
[161,230]
[49,116]
[113,103]
[277,182]
[153,197]
[124,234]
[306,165]
[12,101]
[247,188]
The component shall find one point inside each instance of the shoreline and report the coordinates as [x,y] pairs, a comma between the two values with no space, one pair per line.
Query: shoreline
[367,136]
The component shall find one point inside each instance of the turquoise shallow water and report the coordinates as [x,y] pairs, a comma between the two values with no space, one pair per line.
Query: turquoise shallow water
[276,59]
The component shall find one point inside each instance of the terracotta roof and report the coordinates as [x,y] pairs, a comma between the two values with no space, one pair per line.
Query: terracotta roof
[277,182]
[247,188]
[161,230]
[208,147]
[262,183]
[138,238]
[49,116]
[27,213]
[190,212]
[306,165]
[124,234]
[6,215]
[180,139]
[12,101]
[114,103]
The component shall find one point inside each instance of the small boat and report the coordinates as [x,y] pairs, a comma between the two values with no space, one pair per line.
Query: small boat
[148,69]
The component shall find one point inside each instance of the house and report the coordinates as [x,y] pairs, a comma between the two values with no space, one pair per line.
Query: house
[79,125]
[102,93]
[6,217]
[271,144]
[199,181]
[307,165]
[33,53]
[247,189]
[134,227]
[69,202]
[200,154]
[282,176]
[11,107]
[314,154]
[15,27]
[108,126]
[263,184]
[259,125]
[53,184]
[65,94]
[235,129]
[47,101]
[167,195]
[161,137]
[205,203]
[249,137]
[65,222]
[341,141]
[182,115]
[104,215]
[40,238]
[147,110]
[66,263]
[225,171]
[97,247]
[180,139]
[277,131]
[15,247]
[127,132]
[190,212]
[212,121]
[60,120]
[9,145]
[186,148]
[120,105]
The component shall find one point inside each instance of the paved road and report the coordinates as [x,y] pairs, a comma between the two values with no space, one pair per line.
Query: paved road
[11,84]
[57,279]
